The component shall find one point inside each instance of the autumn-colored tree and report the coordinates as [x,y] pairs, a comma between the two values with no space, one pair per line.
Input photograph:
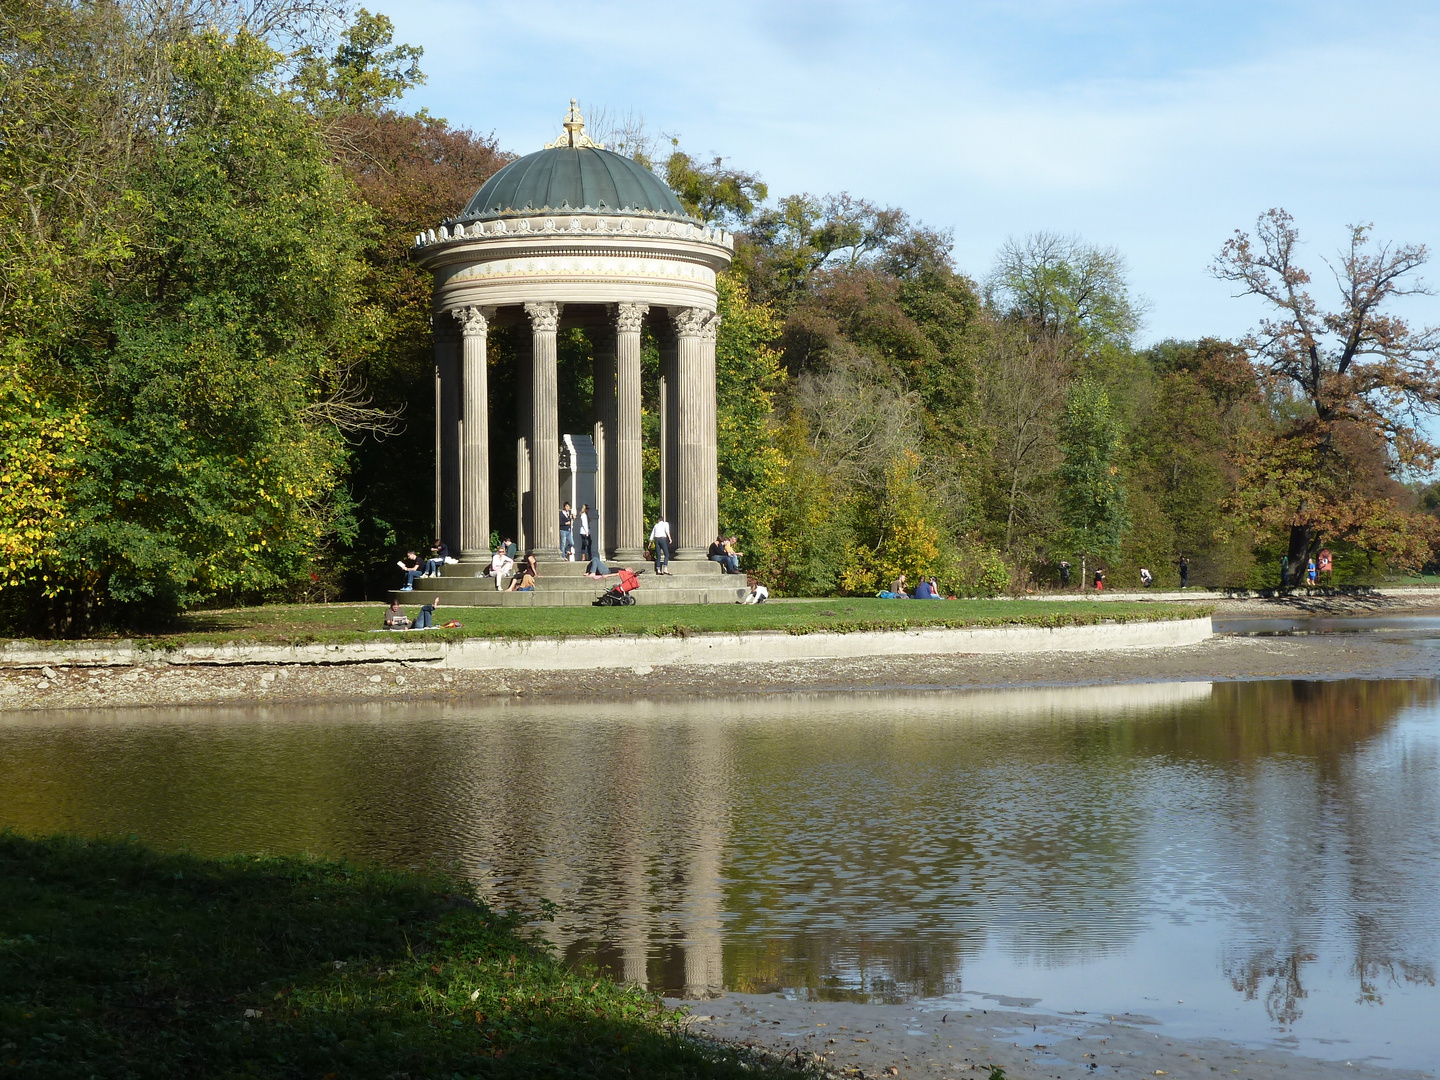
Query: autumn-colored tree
[411,171]
[1366,379]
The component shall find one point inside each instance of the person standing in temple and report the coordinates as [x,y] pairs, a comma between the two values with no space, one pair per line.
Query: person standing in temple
[586,552]
[567,532]
[660,537]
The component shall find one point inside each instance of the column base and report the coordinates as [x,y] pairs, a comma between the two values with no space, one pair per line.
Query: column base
[632,556]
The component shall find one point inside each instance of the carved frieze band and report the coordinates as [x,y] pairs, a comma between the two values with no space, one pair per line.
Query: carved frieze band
[544,317]
[629,317]
[474,321]
[696,322]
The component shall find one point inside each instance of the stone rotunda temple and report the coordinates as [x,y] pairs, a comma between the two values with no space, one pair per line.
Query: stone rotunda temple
[575,235]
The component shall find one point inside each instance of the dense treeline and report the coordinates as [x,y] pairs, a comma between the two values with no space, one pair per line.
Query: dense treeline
[215,377]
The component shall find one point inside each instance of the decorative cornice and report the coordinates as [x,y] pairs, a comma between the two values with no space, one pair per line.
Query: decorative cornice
[473,321]
[544,317]
[629,316]
[578,222]
[696,322]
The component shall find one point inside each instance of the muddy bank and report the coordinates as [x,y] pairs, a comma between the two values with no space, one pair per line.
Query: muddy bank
[940,1039]
[1368,655]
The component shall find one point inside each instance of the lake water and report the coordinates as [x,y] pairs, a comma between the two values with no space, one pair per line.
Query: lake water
[1255,861]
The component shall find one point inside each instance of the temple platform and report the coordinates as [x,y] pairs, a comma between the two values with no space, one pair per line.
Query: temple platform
[564,584]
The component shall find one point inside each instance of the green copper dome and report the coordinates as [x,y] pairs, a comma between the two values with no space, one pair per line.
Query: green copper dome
[572,178]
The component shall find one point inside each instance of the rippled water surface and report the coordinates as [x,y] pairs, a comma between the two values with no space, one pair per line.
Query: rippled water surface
[1256,861]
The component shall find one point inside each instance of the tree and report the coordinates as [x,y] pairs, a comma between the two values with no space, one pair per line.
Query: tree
[1366,378]
[747,377]
[1022,394]
[1066,289]
[712,191]
[189,385]
[366,72]
[1092,494]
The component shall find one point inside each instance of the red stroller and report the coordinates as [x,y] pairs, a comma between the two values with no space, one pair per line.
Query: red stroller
[619,595]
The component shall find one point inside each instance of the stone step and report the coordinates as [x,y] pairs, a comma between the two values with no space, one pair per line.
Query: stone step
[569,597]
[565,585]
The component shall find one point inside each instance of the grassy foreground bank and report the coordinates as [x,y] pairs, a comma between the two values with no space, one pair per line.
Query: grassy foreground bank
[341,623]
[116,961]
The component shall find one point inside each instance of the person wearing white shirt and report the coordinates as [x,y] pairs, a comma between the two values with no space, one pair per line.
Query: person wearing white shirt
[583,523]
[660,537]
[501,566]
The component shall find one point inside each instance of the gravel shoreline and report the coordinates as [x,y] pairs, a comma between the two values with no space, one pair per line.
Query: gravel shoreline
[944,1040]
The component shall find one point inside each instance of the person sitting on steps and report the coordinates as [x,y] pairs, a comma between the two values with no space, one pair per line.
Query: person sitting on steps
[439,553]
[525,579]
[732,556]
[501,567]
[411,565]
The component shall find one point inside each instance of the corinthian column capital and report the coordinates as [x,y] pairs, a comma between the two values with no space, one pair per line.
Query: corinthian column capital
[473,320]
[629,316]
[696,322]
[544,317]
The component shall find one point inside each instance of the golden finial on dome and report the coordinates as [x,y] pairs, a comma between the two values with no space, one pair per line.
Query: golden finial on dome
[574,137]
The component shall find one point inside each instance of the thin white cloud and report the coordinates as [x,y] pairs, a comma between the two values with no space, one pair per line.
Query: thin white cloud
[1150,127]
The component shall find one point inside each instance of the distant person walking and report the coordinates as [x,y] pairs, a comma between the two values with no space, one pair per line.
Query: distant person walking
[660,537]
[1146,578]
[1064,574]
[1310,573]
[1099,580]
[1184,572]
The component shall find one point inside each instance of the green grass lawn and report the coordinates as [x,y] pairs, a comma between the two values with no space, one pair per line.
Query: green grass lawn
[339,623]
[117,962]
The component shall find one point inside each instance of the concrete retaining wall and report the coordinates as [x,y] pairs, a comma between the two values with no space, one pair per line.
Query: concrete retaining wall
[574,654]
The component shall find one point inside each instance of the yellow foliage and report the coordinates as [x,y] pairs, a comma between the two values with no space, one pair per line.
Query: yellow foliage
[38,460]
[905,542]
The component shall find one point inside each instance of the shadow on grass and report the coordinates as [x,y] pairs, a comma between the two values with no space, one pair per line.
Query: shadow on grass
[116,961]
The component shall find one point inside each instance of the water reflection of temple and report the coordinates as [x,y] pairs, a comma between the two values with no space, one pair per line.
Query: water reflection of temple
[860,842]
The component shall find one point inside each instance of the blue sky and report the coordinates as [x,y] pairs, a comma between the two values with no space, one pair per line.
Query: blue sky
[1154,127]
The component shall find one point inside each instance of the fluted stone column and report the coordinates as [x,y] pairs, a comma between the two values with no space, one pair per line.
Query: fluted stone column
[697,479]
[447,377]
[602,529]
[545,432]
[439,441]
[628,531]
[600,514]
[475,448]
